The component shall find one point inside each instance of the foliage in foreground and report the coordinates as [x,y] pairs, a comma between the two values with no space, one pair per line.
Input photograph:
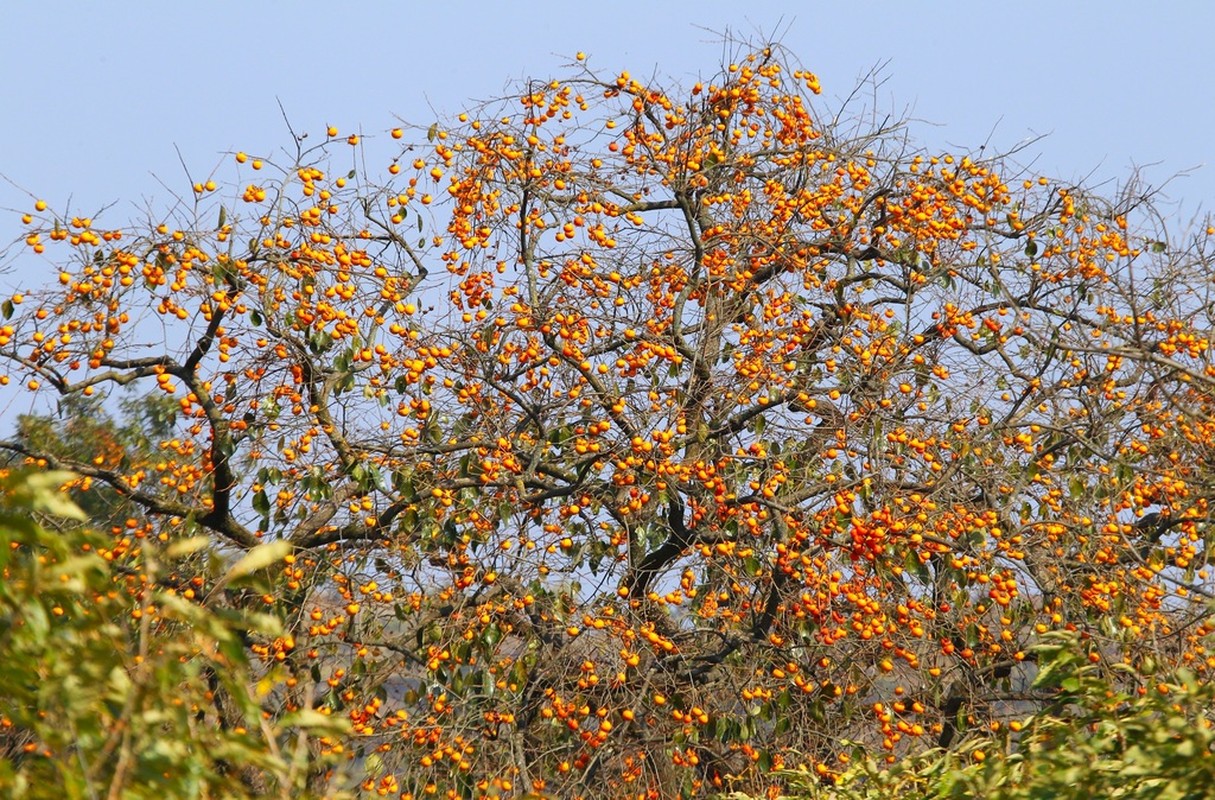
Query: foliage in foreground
[1093,741]
[103,699]
[626,440]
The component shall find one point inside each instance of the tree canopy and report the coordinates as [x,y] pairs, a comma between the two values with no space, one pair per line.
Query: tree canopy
[618,439]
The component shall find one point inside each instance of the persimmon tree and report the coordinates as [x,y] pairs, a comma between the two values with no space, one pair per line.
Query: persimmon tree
[647,439]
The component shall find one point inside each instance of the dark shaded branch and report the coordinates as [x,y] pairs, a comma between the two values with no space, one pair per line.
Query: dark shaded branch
[152,504]
[637,581]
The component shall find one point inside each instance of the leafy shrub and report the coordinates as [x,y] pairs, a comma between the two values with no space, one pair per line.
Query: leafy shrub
[1093,741]
[114,684]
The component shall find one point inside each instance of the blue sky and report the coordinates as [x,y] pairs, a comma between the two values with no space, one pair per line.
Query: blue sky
[100,98]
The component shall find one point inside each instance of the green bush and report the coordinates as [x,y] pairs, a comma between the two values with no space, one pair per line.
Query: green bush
[1093,742]
[115,685]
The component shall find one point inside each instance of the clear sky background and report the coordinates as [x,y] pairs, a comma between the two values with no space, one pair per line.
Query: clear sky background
[98,98]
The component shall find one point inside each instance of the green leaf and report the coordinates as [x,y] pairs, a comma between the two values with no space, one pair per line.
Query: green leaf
[258,558]
[916,567]
[7,308]
[313,719]
[186,547]
[37,623]
[42,491]
[255,621]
